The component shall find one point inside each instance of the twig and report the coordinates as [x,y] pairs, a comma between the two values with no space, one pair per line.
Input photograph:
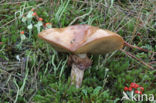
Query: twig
[153,62]
[132,46]
[134,57]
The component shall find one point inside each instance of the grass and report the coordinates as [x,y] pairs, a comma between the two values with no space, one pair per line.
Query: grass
[42,74]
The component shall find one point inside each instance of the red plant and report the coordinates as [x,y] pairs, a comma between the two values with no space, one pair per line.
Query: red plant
[142,89]
[132,85]
[126,89]
[136,86]
[47,23]
[22,32]
[40,19]
[32,9]
[138,92]
[34,14]
[130,88]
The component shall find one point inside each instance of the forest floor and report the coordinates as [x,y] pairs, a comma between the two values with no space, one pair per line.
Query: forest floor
[32,71]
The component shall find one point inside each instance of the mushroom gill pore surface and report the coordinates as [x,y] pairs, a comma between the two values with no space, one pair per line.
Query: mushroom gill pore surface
[80,39]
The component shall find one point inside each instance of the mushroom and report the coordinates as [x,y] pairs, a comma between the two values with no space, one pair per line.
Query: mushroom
[80,40]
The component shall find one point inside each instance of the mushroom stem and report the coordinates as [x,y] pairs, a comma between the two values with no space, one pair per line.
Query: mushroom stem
[77,73]
[82,55]
[76,76]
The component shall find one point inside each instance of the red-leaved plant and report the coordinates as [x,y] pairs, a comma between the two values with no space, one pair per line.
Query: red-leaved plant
[133,89]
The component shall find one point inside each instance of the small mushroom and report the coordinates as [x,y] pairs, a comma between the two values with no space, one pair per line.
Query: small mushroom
[80,40]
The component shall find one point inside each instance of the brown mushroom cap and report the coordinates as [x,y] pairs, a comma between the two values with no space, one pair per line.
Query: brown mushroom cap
[82,39]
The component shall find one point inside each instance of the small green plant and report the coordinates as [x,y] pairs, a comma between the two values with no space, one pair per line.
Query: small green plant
[30,20]
[23,37]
